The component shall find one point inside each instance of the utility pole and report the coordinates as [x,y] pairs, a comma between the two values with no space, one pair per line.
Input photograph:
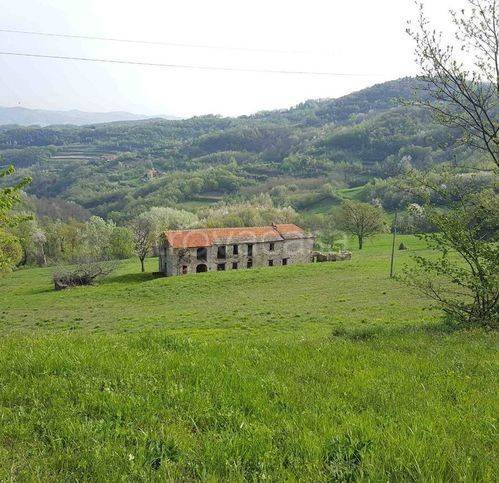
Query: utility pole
[394,233]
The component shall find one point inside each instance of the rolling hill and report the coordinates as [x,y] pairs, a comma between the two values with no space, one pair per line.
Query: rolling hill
[121,168]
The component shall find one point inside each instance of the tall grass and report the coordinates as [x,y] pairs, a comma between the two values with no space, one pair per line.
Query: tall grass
[327,372]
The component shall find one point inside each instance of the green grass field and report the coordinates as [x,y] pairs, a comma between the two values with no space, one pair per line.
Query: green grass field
[352,193]
[324,372]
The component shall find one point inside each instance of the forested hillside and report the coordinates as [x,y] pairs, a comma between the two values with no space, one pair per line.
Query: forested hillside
[303,156]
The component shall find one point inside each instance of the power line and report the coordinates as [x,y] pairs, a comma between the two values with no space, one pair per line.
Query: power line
[189,66]
[155,42]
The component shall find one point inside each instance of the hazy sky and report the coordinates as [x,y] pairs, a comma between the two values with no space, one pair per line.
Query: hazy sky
[345,36]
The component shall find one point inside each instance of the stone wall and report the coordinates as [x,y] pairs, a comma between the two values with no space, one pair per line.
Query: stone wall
[177,261]
[318,257]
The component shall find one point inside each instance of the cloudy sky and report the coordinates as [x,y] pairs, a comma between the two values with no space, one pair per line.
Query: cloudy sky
[364,38]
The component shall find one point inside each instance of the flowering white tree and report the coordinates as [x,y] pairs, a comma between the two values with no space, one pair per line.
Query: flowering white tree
[96,237]
[39,239]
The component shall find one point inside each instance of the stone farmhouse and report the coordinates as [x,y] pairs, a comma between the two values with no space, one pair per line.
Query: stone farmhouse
[208,249]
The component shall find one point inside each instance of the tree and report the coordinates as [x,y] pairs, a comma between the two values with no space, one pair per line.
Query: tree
[460,83]
[144,230]
[69,236]
[323,226]
[121,243]
[361,219]
[96,237]
[10,251]
[10,248]
[24,233]
[257,211]
[461,277]
[166,218]
[148,226]
[65,241]
[349,170]
[39,239]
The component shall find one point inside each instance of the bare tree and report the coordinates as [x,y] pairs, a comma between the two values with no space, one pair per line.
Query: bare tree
[143,228]
[83,274]
[461,80]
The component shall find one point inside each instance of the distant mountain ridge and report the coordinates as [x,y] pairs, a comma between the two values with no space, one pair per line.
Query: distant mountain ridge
[23,116]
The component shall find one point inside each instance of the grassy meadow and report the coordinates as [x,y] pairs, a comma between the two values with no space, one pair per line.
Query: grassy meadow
[319,372]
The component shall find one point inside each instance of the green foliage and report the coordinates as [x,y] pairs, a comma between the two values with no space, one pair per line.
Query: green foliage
[459,96]
[463,280]
[29,156]
[44,241]
[171,219]
[24,234]
[305,165]
[361,220]
[385,134]
[325,229]
[65,241]
[96,239]
[10,249]
[121,243]
[119,170]
[258,211]
[413,221]
[388,193]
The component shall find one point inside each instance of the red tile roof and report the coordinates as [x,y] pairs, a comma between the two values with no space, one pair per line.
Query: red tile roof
[205,237]
[290,230]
